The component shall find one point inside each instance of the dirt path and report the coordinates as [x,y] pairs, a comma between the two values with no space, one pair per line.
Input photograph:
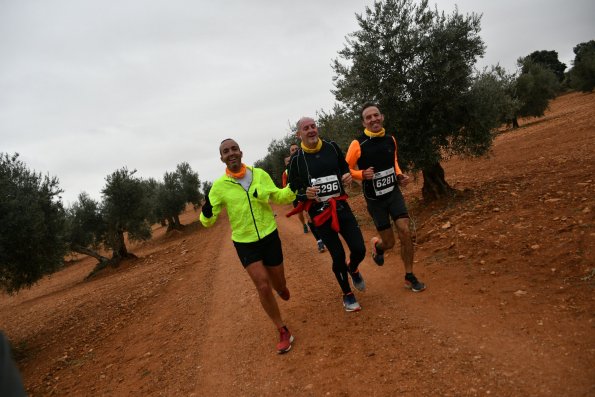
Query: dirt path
[508,311]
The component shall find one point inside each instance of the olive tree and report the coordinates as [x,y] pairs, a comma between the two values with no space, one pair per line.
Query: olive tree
[418,64]
[582,74]
[32,219]
[125,209]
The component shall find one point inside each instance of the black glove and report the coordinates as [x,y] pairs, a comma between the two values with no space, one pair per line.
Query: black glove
[207,208]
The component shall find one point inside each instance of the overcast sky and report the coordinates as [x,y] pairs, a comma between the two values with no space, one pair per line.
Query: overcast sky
[90,86]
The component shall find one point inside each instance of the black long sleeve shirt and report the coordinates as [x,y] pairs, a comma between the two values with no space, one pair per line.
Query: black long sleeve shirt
[323,169]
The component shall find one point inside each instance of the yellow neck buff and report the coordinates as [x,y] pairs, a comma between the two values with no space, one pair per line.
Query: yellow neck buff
[236,175]
[374,134]
[314,150]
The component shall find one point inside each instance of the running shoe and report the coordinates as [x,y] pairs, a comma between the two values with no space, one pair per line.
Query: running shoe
[305,228]
[284,294]
[357,278]
[285,340]
[377,253]
[321,247]
[414,284]
[358,281]
[350,303]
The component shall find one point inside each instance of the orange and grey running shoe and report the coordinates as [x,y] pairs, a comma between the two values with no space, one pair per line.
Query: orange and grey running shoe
[285,340]
[377,253]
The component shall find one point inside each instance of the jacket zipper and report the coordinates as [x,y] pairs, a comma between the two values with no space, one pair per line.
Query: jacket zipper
[250,204]
[252,213]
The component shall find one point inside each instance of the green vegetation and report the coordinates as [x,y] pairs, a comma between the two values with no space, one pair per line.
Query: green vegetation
[535,86]
[85,227]
[582,75]
[549,60]
[32,240]
[274,162]
[169,198]
[125,210]
[417,64]
[36,232]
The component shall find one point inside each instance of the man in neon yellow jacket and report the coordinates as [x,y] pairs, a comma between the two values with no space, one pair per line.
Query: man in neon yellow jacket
[245,193]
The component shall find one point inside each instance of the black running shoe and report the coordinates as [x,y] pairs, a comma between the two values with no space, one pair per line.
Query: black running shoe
[284,294]
[414,284]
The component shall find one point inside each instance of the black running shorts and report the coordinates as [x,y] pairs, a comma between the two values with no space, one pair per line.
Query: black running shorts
[382,211]
[268,250]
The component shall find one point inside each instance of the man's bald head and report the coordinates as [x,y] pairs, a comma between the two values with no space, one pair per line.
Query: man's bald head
[303,121]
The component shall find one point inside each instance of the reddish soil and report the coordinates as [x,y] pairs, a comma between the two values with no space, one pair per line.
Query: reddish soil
[509,309]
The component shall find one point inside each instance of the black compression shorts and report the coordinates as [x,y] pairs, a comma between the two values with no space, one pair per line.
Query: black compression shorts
[382,211]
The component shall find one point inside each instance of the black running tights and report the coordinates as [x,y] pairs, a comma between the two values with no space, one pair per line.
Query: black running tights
[352,235]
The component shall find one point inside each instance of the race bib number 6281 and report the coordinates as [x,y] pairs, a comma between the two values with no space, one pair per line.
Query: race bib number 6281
[384,181]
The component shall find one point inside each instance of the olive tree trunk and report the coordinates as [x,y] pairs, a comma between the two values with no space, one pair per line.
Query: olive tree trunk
[86,251]
[515,123]
[174,223]
[435,186]
[120,251]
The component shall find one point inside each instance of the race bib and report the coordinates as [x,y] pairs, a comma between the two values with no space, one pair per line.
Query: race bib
[384,181]
[328,186]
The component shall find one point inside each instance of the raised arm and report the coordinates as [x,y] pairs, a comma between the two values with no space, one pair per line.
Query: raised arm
[277,196]
[211,209]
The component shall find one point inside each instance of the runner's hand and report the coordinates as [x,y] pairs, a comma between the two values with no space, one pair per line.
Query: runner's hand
[368,173]
[347,179]
[207,208]
[312,193]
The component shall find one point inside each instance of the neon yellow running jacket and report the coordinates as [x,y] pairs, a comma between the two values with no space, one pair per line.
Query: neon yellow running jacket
[250,214]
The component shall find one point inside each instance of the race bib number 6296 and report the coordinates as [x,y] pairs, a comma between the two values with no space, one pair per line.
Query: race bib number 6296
[328,186]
